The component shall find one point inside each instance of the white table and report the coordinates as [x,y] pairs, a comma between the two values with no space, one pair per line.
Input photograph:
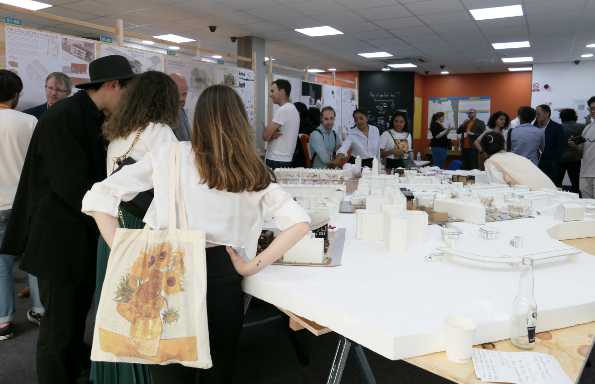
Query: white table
[396,306]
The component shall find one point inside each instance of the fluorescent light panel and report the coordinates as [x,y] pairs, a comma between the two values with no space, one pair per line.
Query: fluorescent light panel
[26,4]
[403,65]
[586,55]
[218,57]
[590,45]
[319,31]
[173,48]
[520,69]
[174,38]
[512,45]
[267,59]
[375,55]
[332,69]
[527,59]
[148,42]
[497,12]
[385,69]
[315,70]
[208,60]
[445,73]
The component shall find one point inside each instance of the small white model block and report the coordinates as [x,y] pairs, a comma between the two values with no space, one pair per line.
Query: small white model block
[470,212]
[369,225]
[572,230]
[570,212]
[417,223]
[395,231]
[374,203]
[307,250]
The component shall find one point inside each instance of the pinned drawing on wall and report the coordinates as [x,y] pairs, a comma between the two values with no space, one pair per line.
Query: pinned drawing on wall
[535,87]
[455,110]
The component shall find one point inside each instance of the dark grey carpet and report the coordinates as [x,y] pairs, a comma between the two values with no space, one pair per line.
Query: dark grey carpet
[266,355]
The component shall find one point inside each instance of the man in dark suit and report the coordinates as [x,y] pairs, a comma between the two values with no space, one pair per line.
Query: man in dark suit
[57,242]
[470,130]
[555,144]
[57,87]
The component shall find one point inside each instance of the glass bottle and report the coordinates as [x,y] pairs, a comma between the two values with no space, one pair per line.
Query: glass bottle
[524,309]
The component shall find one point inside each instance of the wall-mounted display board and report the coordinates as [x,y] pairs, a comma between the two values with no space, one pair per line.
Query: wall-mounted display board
[564,85]
[383,93]
[455,110]
[35,54]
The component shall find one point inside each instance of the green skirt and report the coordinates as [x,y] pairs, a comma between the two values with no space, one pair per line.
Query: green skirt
[116,373]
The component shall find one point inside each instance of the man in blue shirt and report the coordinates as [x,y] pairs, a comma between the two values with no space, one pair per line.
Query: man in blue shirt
[526,140]
[324,141]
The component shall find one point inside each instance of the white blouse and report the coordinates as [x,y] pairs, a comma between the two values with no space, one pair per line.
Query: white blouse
[387,141]
[232,219]
[153,136]
[361,145]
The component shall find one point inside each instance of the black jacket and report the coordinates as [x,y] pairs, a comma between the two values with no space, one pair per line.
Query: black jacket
[555,146]
[37,111]
[66,157]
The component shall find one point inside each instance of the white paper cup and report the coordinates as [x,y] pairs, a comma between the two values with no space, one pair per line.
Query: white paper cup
[458,338]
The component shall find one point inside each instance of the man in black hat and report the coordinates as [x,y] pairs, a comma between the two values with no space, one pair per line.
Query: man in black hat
[57,242]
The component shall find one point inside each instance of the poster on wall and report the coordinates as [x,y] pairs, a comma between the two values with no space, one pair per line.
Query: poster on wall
[140,61]
[35,54]
[311,94]
[455,110]
[348,105]
[243,81]
[331,97]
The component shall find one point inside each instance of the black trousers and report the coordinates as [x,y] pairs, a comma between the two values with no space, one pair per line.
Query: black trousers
[225,309]
[62,355]
[470,159]
[574,169]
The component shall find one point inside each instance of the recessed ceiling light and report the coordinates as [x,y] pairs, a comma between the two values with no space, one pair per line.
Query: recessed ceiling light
[208,60]
[512,45]
[527,59]
[375,55]
[332,69]
[587,55]
[403,65]
[218,57]
[173,48]
[148,42]
[590,45]
[174,38]
[319,31]
[315,70]
[496,12]
[386,69]
[267,59]
[520,69]
[445,73]
[26,4]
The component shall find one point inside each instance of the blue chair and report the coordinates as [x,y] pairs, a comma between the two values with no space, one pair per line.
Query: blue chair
[455,165]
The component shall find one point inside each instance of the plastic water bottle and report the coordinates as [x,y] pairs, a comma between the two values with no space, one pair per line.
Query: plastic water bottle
[523,320]
[418,157]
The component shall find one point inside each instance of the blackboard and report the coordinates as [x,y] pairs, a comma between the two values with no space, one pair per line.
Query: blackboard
[381,94]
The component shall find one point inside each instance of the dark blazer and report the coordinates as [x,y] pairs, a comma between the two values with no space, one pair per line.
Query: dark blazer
[66,157]
[555,146]
[37,111]
[480,128]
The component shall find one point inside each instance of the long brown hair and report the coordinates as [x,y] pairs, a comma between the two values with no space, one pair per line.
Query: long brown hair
[223,144]
[152,97]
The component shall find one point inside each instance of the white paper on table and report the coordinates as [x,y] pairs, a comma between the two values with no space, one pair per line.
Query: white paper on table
[517,367]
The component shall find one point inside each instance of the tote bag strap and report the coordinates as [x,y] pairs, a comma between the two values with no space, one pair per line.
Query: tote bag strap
[177,212]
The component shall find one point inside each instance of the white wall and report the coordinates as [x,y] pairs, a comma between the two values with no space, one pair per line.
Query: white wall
[570,86]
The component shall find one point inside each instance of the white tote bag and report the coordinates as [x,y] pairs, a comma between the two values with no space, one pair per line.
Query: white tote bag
[152,308]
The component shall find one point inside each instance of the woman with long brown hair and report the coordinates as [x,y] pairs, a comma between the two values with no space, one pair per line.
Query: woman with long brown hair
[227,191]
[142,124]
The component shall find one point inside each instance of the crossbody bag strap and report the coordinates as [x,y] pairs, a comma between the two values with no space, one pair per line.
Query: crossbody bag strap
[177,207]
[119,159]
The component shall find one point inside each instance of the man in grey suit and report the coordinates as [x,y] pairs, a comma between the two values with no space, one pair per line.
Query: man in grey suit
[184,130]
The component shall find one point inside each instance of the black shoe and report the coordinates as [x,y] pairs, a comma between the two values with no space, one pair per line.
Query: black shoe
[7,332]
[34,317]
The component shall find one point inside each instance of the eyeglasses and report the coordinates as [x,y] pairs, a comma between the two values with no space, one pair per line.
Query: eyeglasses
[57,90]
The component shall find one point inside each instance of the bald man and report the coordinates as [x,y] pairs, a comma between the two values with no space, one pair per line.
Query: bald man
[183,131]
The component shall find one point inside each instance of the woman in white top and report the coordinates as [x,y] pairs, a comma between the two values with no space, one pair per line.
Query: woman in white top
[395,143]
[228,192]
[363,140]
[149,110]
[509,168]
[498,122]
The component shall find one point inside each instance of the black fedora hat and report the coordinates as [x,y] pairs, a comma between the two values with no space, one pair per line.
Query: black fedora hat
[108,68]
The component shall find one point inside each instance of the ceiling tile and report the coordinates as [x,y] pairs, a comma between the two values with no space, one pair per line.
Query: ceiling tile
[399,23]
[384,13]
[435,6]
[363,4]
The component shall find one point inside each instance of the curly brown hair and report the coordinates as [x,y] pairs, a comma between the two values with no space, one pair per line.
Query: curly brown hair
[151,97]
[223,143]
